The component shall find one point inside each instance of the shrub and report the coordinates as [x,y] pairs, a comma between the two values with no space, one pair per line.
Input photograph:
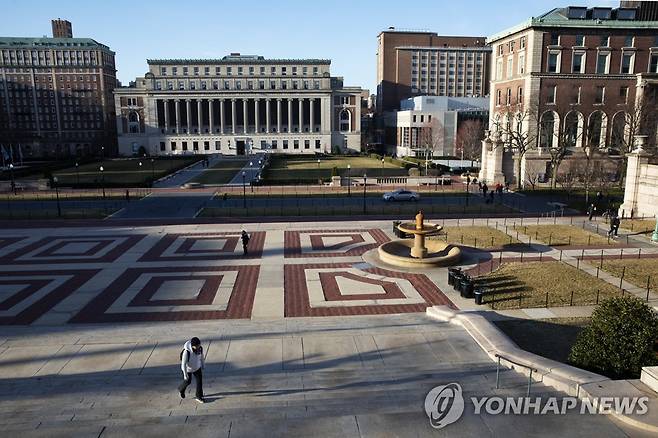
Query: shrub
[620,339]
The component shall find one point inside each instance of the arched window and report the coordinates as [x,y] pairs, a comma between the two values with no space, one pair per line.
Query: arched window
[344,120]
[133,122]
[596,129]
[133,117]
[573,129]
[619,132]
[548,124]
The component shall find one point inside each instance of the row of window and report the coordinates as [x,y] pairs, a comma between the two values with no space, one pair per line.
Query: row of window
[44,58]
[239,70]
[238,85]
[264,145]
[551,95]
[627,64]
[423,56]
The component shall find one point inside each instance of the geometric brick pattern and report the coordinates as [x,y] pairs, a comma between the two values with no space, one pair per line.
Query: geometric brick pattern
[154,294]
[204,246]
[336,289]
[6,241]
[72,249]
[332,243]
[27,295]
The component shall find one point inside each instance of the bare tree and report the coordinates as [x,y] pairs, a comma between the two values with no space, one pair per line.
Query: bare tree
[517,125]
[431,139]
[469,138]
[532,178]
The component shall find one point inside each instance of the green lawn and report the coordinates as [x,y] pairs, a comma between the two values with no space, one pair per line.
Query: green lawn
[221,173]
[122,172]
[306,169]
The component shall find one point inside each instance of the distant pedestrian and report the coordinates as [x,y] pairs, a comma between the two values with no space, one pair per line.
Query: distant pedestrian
[192,363]
[616,222]
[245,242]
[480,186]
[485,189]
[590,211]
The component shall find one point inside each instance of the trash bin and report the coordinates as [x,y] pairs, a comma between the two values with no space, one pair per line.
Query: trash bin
[395,229]
[466,287]
[479,296]
[458,276]
[453,273]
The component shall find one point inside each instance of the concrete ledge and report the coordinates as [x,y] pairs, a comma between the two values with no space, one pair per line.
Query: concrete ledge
[649,377]
[566,378]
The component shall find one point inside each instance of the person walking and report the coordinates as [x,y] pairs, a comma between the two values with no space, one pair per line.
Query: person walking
[245,242]
[616,222]
[192,363]
[590,211]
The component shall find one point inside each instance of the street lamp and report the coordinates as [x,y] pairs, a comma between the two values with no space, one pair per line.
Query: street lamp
[318,163]
[102,153]
[102,181]
[349,180]
[152,170]
[59,209]
[244,190]
[13,183]
[365,183]
[382,167]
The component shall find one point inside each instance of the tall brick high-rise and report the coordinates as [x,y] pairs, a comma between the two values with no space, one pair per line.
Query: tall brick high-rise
[413,63]
[56,95]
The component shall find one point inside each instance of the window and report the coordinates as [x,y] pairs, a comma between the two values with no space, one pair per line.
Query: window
[284,70]
[628,41]
[653,63]
[623,93]
[511,46]
[509,67]
[602,63]
[580,40]
[317,144]
[499,69]
[206,70]
[294,70]
[500,49]
[627,63]
[499,95]
[162,146]
[184,145]
[163,71]
[229,71]
[605,41]
[553,60]
[578,64]
[552,92]
[307,144]
[519,95]
[239,71]
[206,145]
[218,145]
[263,144]
[251,70]
[508,100]
[196,71]
[555,39]
[185,71]
[174,71]
[599,97]
[521,66]
[522,43]
[173,145]
[262,70]
[295,144]
[285,144]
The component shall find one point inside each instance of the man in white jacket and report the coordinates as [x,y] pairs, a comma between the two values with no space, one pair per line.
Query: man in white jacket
[192,363]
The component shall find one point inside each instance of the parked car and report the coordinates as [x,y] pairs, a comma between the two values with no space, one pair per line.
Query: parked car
[192,185]
[401,195]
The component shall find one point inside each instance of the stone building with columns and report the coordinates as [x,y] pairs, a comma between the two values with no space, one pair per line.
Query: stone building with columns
[238,105]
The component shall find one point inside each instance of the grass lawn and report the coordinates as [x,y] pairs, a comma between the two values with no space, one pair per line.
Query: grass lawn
[636,272]
[408,210]
[638,225]
[221,173]
[476,236]
[563,235]
[550,338]
[527,284]
[122,172]
[306,168]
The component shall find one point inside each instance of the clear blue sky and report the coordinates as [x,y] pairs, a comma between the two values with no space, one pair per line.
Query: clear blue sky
[343,31]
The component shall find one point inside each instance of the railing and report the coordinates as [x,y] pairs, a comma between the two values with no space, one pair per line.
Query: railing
[499,356]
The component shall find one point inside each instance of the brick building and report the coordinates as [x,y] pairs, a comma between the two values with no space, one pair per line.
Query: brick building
[237,105]
[56,95]
[570,79]
[414,63]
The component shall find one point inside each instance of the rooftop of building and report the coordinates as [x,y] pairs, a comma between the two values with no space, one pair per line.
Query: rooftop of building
[444,103]
[435,48]
[236,58]
[48,42]
[582,17]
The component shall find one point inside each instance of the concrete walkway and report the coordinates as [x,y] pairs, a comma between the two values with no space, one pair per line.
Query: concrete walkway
[251,170]
[185,175]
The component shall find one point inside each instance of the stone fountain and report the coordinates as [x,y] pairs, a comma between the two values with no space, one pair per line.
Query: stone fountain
[419,252]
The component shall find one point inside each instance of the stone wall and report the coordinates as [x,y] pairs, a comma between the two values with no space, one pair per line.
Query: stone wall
[641,192]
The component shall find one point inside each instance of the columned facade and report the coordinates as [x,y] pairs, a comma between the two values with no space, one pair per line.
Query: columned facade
[239,115]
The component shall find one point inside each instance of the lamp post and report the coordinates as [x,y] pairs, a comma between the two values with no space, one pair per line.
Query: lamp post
[77,173]
[365,183]
[318,163]
[102,153]
[244,190]
[382,167]
[13,182]
[59,209]
[102,181]
[349,180]
[152,170]
[251,178]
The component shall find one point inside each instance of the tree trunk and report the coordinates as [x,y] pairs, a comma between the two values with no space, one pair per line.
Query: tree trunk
[519,181]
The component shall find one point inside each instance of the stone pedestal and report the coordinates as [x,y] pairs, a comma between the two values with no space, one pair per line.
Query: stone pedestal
[419,251]
[636,160]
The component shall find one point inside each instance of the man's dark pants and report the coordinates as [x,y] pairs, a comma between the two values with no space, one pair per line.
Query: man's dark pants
[199,383]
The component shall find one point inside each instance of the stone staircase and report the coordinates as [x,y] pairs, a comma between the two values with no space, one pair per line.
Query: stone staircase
[296,403]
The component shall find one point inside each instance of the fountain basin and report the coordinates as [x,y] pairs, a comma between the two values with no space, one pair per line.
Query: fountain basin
[398,253]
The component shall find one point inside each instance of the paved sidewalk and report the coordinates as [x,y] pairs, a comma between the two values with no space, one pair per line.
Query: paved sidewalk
[185,175]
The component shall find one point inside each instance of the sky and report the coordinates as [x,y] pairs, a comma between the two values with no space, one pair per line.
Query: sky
[343,31]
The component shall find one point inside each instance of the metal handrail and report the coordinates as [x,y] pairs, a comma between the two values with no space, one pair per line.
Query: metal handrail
[500,356]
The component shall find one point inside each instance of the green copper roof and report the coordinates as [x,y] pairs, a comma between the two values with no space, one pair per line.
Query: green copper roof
[557,18]
[52,43]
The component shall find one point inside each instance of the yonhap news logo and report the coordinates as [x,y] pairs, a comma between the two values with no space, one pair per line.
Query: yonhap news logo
[445,405]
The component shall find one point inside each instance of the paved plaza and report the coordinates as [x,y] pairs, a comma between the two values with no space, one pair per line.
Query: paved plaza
[306,334]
